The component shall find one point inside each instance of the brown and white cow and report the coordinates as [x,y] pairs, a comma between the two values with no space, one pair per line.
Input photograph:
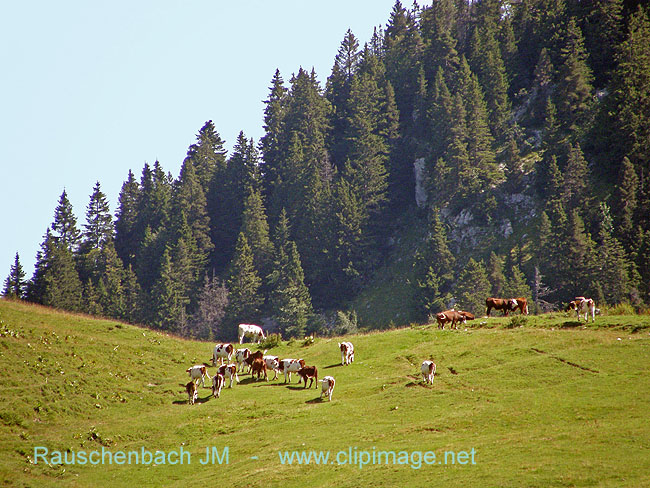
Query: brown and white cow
[580,304]
[327,387]
[229,371]
[253,356]
[347,352]
[221,352]
[217,383]
[450,316]
[259,367]
[198,372]
[428,369]
[240,359]
[522,305]
[505,304]
[288,366]
[192,392]
[255,332]
[309,373]
[467,315]
[272,363]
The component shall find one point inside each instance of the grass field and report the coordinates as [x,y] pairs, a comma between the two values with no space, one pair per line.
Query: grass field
[547,404]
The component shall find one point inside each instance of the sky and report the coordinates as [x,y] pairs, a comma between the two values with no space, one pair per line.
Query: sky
[91,90]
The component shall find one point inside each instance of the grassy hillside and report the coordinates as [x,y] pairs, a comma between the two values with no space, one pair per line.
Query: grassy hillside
[547,404]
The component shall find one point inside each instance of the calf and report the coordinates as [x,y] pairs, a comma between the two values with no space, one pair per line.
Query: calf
[255,332]
[192,392]
[259,367]
[217,383]
[229,371]
[347,352]
[327,387]
[272,363]
[288,366]
[428,371]
[240,359]
[505,304]
[221,352]
[198,372]
[581,303]
[309,372]
[253,356]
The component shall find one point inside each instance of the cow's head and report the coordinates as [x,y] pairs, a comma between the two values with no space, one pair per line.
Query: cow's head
[513,303]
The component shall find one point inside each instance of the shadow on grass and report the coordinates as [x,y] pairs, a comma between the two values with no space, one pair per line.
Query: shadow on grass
[316,400]
[333,366]
[198,400]
[571,324]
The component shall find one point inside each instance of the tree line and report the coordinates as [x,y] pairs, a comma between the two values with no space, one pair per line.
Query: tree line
[530,123]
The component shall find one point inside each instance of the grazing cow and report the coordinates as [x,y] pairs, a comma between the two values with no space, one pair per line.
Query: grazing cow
[255,332]
[505,304]
[452,316]
[580,304]
[253,356]
[198,372]
[272,363]
[309,372]
[240,359]
[221,352]
[327,387]
[522,305]
[229,371]
[347,352]
[466,315]
[259,367]
[288,366]
[217,383]
[192,392]
[428,371]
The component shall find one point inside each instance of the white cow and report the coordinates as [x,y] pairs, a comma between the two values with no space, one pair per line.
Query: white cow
[580,304]
[347,352]
[272,362]
[240,359]
[327,387]
[255,332]
[198,372]
[217,383]
[288,366]
[221,352]
[428,371]
[229,371]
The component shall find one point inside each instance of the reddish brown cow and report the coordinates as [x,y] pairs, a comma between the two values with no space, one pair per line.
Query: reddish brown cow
[522,305]
[467,315]
[505,304]
[259,367]
[452,316]
[253,356]
[311,373]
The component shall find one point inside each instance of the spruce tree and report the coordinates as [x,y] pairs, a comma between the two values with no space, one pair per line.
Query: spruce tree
[256,229]
[243,283]
[14,286]
[126,243]
[626,203]
[472,287]
[64,227]
[612,261]
[213,300]
[496,275]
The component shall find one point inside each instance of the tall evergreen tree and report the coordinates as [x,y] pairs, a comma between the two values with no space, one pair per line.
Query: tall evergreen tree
[613,274]
[126,243]
[64,227]
[245,301]
[14,286]
[472,287]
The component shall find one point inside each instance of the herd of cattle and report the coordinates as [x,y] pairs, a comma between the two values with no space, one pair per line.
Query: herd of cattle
[259,363]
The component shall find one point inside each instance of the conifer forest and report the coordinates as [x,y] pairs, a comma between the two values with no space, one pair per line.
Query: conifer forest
[491,147]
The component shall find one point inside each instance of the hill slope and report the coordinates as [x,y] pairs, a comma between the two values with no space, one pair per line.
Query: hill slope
[538,407]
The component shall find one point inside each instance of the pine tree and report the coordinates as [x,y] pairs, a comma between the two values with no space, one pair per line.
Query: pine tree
[272,143]
[14,286]
[472,287]
[626,203]
[64,228]
[243,283]
[126,243]
[290,299]
[207,155]
[256,229]
[111,290]
[575,179]
[213,300]
[612,261]
[496,275]
[574,87]
[167,305]
[62,287]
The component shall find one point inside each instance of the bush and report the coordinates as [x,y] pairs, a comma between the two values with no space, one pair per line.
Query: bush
[619,309]
[346,322]
[271,341]
[516,321]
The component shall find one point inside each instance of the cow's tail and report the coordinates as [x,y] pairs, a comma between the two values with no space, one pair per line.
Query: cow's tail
[315,377]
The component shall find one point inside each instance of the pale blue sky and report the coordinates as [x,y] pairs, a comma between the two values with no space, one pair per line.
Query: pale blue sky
[90,90]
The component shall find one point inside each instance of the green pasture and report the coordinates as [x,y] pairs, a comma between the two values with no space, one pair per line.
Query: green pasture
[536,402]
